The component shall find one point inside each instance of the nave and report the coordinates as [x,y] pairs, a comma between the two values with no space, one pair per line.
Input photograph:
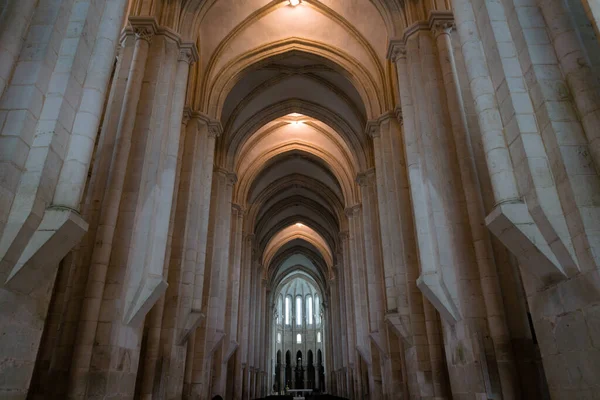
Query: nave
[342,199]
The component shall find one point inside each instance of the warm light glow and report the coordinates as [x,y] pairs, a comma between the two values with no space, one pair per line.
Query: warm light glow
[294,115]
[294,3]
[296,122]
[299,225]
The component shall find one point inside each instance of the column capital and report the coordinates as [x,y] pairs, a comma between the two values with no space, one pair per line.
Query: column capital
[419,26]
[188,53]
[214,127]
[441,22]
[144,28]
[363,178]
[352,210]
[187,115]
[396,49]
[230,176]
[237,207]
[372,128]
[398,112]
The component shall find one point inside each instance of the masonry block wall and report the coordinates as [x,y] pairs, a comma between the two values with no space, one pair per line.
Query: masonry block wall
[152,200]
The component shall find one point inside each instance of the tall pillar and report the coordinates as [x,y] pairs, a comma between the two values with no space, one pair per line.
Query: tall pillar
[352,381]
[244,316]
[357,279]
[230,343]
[39,98]
[375,282]
[449,276]
[404,308]
[107,220]
[136,211]
[551,127]
[489,283]
[216,278]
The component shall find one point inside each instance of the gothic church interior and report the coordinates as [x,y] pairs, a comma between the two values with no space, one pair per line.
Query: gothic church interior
[368,199]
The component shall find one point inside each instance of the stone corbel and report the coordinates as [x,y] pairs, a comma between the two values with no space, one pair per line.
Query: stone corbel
[365,354]
[60,230]
[400,326]
[147,294]
[192,322]
[379,342]
[433,287]
[233,345]
[514,226]
[218,340]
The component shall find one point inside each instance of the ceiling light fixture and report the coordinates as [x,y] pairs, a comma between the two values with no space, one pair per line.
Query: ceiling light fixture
[294,3]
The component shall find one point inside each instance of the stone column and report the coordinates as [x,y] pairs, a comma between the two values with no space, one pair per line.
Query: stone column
[357,278]
[449,277]
[217,274]
[161,355]
[353,388]
[489,283]
[145,281]
[230,343]
[244,314]
[543,154]
[107,221]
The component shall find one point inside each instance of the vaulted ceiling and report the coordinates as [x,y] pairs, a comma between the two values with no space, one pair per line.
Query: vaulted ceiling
[293,88]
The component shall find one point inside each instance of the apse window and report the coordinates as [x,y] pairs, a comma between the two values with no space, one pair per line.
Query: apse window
[318,337]
[298,311]
[288,309]
[298,338]
[309,306]
[278,337]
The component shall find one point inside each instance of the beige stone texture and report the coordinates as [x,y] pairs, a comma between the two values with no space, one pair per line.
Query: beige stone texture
[376,199]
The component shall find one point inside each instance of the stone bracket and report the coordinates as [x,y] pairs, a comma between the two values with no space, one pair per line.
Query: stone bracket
[60,230]
[365,354]
[148,292]
[514,226]
[434,289]
[400,327]
[233,345]
[219,336]
[379,342]
[192,322]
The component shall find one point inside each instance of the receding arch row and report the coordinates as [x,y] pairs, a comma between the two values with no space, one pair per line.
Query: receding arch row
[357,142]
[344,174]
[217,90]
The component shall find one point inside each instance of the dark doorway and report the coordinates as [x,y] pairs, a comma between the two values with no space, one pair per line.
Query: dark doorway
[288,369]
[310,371]
[321,371]
[299,371]
[278,372]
